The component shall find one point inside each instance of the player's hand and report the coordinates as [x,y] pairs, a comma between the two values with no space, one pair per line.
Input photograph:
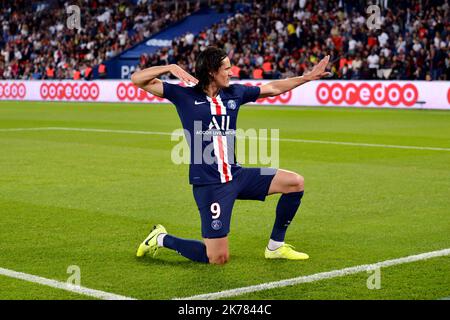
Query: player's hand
[178,72]
[318,71]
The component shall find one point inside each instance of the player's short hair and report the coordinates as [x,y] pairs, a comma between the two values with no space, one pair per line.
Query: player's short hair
[208,62]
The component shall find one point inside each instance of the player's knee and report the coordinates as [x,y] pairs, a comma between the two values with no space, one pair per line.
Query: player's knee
[219,258]
[298,183]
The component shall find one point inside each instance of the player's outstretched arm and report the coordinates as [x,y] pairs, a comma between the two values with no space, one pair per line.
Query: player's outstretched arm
[147,79]
[277,87]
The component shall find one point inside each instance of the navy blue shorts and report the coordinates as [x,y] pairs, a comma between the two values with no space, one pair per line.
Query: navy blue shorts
[215,201]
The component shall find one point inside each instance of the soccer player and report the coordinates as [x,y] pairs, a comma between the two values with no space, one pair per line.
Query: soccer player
[210,109]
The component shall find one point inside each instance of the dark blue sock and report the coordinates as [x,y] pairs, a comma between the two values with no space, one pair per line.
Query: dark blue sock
[192,249]
[286,209]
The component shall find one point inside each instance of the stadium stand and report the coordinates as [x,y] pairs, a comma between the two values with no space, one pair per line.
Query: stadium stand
[36,44]
[265,39]
[276,40]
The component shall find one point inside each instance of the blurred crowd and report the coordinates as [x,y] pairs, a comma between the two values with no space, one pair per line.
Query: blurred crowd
[35,42]
[265,40]
[278,39]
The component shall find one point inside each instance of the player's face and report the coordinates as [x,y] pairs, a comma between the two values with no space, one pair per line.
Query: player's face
[223,75]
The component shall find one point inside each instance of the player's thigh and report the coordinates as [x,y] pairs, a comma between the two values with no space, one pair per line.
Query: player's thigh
[254,183]
[217,250]
[286,181]
[215,204]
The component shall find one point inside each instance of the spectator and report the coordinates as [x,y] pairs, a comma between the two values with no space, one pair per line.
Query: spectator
[373,62]
[102,73]
[76,74]
[50,72]
[88,72]
[244,73]
[235,70]
[267,69]
[257,73]
[356,67]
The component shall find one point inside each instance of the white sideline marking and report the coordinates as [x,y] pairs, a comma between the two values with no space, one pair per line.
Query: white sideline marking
[367,144]
[357,144]
[317,276]
[62,285]
[86,130]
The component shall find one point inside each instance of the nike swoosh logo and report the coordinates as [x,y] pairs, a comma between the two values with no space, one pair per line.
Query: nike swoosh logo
[199,102]
[148,240]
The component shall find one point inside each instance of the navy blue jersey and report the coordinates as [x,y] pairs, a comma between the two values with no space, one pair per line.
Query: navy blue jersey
[210,125]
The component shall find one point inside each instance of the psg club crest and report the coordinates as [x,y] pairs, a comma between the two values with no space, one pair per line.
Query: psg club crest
[216,224]
[231,104]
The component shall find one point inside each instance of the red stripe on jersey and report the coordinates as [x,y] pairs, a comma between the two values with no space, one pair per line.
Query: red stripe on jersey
[218,110]
[224,165]
[221,151]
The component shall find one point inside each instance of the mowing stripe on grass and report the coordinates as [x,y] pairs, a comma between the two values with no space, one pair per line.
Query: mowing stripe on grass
[62,285]
[317,276]
[357,144]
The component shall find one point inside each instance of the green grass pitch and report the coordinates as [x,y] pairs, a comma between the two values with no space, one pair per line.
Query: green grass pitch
[89,198]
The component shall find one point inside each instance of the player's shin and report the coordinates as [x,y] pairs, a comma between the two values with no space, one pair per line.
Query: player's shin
[286,209]
[192,249]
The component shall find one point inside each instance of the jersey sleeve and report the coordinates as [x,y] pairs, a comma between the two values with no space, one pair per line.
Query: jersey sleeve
[170,92]
[250,93]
